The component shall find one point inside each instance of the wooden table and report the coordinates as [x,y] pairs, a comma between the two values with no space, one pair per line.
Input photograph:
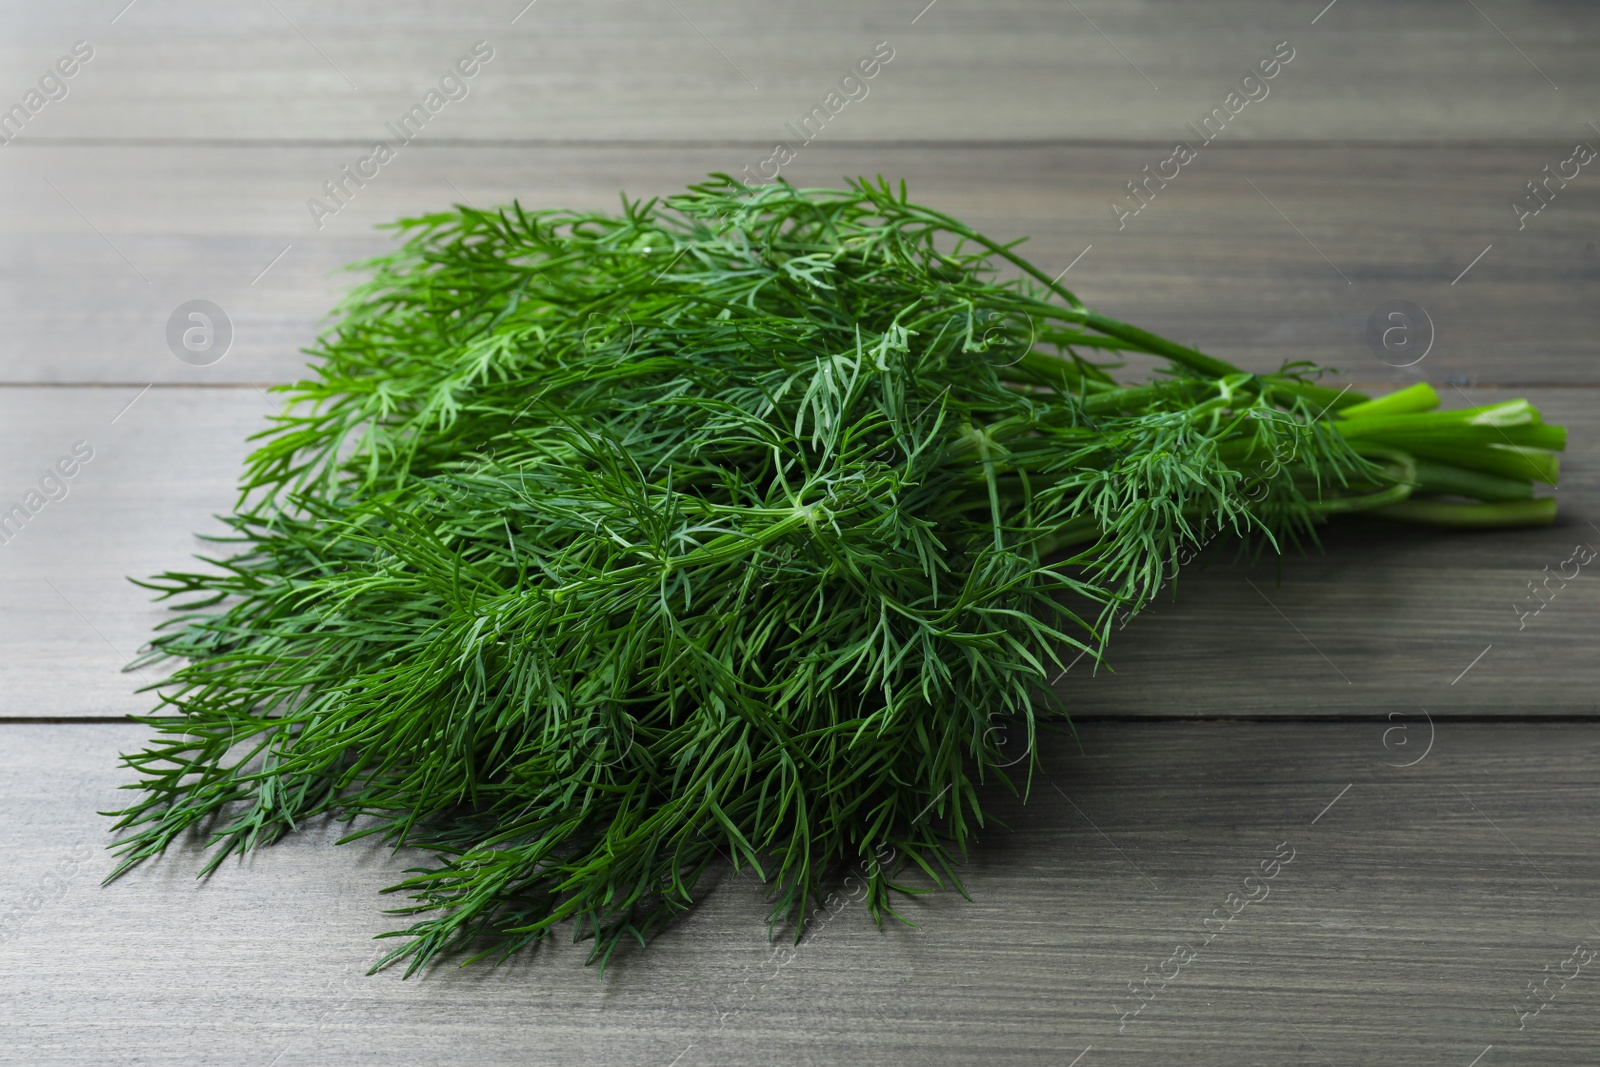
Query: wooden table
[1380,709]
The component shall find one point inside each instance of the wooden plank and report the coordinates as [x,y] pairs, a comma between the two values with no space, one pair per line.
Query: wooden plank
[639,70]
[1398,612]
[1418,906]
[101,245]
[69,617]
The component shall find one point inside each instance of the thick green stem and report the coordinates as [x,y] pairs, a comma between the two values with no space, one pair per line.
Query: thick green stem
[1195,360]
[1412,398]
[1504,461]
[1541,512]
[1457,481]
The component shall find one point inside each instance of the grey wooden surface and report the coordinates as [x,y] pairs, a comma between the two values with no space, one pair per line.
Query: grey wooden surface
[95,266]
[1419,904]
[1442,865]
[296,70]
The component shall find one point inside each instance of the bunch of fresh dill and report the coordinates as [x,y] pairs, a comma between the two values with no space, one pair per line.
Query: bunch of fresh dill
[601,546]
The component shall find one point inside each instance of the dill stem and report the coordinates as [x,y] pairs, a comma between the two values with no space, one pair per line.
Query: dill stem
[598,545]
[1504,514]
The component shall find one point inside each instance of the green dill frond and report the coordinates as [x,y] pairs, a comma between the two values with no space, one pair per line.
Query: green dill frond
[599,547]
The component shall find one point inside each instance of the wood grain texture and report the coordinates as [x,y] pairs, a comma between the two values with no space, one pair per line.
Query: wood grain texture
[701,69]
[69,617]
[1419,904]
[100,245]
[1382,620]
[1441,866]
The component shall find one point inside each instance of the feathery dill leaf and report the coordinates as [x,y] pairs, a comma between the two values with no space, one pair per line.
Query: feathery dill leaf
[599,546]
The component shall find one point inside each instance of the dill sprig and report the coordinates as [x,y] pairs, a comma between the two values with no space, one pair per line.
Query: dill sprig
[603,545]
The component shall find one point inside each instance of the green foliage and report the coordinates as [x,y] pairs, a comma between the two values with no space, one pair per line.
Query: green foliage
[601,546]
